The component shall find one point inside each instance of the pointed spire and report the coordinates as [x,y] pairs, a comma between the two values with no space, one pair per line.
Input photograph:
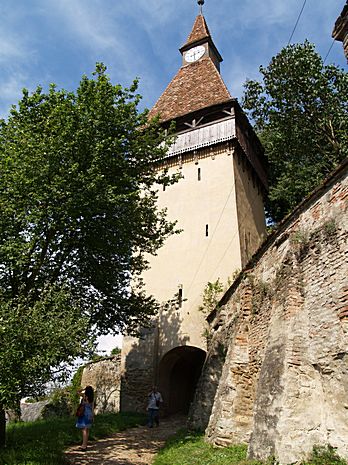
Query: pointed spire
[199,31]
[198,83]
[199,35]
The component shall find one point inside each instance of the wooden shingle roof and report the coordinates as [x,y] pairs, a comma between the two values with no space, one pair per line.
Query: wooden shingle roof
[195,86]
[199,31]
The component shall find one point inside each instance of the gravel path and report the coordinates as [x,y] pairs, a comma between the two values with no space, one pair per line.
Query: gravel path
[134,446]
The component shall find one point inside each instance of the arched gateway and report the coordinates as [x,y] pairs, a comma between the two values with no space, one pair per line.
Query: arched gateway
[178,374]
[218,206]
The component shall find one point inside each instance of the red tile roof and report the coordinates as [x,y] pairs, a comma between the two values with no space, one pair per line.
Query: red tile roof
[195,86]
[199,31]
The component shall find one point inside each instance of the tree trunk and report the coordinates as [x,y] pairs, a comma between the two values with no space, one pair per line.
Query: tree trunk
[2,427]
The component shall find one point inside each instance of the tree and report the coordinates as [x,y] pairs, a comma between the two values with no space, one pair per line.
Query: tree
[300,112]
[78,216]
[211,296]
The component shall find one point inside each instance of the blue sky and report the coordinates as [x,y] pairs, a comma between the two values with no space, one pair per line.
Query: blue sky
[44,41]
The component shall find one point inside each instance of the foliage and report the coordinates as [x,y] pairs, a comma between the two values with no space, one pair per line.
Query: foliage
[300,112]
[330,227]
[34,338]
[78,215]
[74,386]
[115,351]
[207,335]
[96,358]
[43,442]
[325,455]
[211,296]
[59,404]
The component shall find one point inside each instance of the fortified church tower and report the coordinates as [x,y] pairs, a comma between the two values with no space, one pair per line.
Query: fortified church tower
[218,204]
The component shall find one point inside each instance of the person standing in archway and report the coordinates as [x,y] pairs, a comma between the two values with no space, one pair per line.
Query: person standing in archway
[154,402]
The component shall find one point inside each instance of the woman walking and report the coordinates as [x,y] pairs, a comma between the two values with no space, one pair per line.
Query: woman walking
[85,419]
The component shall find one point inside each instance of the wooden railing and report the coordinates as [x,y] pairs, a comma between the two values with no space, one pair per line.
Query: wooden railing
[203,136]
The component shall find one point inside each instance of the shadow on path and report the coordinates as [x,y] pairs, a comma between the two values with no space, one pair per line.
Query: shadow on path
[134,446]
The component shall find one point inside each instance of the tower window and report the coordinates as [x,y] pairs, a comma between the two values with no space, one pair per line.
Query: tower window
[207,230]
[180,297]
[164,187]
[199,174]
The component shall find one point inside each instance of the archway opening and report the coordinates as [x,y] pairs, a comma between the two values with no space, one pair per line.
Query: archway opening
[179,371]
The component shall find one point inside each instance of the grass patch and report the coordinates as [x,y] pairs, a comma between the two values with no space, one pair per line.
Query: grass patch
[43,442]
[190,449]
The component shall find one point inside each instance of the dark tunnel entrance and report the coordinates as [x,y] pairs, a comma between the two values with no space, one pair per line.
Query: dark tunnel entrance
[179,371]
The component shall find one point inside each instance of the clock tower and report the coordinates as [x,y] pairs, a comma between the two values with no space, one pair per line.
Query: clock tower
[199,44]
[218,205]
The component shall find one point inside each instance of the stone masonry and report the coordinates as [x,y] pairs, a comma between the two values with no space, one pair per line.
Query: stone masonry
[276,374]
[105,377]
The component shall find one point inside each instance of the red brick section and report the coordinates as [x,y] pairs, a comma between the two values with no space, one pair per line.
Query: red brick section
[199,31]
[343,305]
[196,86]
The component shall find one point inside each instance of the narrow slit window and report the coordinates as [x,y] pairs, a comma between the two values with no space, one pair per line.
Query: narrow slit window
[164,187]
[180,297]
[199,174]
[207,230]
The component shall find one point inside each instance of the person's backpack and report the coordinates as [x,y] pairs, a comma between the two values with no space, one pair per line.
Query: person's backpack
[80,410]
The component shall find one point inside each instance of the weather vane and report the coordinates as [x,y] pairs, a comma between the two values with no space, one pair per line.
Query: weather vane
[201,3]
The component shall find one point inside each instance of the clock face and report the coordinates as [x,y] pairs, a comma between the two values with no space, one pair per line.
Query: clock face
[194,54]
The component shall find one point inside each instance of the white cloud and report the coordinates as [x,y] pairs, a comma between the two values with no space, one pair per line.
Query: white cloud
[59,40]
[92,25]
[11,49]
[108,35]
[11,88]
[107,343]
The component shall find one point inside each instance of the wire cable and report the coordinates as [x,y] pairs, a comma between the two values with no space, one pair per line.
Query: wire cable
[328,53]
[298,19]
[210,241]
[212,275]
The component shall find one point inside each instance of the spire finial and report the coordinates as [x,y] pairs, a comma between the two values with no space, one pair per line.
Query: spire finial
[201,3]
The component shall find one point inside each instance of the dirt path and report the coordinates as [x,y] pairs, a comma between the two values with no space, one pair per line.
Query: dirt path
[135,446]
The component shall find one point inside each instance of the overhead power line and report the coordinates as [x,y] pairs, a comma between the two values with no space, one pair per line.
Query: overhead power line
[298,19]
[328,53]
[210,241]
[213,275]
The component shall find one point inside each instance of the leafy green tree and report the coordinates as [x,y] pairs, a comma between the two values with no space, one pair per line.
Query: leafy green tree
[300,112]
[78,215]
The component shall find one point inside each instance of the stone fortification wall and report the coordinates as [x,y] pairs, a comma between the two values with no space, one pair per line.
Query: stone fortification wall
[31,411]
[139,366]
[276,375]
[105,377]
